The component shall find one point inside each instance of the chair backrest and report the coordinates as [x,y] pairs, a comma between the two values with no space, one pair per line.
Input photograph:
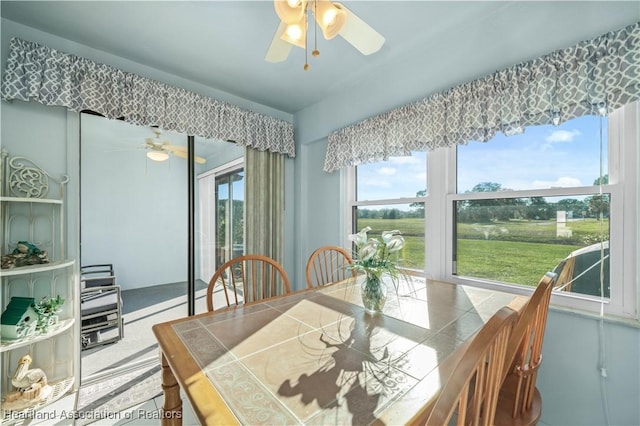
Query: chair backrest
[97,275]
[524,352]
[328,264]
[248,278]
[565,273]
[471,391]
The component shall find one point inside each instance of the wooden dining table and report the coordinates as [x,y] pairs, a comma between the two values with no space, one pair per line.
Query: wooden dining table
[316,356]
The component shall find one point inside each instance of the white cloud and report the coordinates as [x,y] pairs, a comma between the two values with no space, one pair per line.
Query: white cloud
[387,171]
[563,136]
[561,182]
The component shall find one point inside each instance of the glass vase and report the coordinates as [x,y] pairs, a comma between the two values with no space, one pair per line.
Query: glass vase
[374,293]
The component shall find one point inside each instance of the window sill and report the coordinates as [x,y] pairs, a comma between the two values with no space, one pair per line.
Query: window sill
[566,303]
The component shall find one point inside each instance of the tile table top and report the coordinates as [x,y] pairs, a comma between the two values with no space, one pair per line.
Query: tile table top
[316,357]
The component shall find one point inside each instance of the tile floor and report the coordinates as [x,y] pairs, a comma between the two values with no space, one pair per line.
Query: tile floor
[62,413]
[147,413]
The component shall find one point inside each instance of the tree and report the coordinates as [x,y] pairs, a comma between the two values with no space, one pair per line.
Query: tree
[538,208]
[419,206]
[598,204]
[572,205]
[487,187]
[487,210]
[604,180]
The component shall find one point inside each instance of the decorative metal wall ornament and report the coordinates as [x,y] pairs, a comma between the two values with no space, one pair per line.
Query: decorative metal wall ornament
[27,179]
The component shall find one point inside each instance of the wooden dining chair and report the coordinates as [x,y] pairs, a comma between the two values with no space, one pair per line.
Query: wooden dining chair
[328,264]
[519,401]
[471,391]
[248,278]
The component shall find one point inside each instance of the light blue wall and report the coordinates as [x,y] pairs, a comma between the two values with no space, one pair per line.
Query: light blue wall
[572,388]
[37,132]
[319,198]
[569,379]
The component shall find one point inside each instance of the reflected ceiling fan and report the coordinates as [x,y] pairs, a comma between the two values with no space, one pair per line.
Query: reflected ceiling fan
[159,150]
[333,19]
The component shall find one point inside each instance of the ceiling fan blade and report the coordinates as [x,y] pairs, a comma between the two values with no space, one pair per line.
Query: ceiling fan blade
[279,49]
[360,34]
[182,154]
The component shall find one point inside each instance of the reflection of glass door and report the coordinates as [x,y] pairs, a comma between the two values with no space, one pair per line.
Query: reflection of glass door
[229,220]
[221,200]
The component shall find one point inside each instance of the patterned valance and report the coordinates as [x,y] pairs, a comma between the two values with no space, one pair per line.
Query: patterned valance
[51,77]
[596,76]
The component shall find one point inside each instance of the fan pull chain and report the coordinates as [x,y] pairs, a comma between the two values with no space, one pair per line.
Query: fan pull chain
[306,30]
[315,52]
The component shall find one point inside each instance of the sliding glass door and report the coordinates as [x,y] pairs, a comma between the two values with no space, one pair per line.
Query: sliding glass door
[229,218]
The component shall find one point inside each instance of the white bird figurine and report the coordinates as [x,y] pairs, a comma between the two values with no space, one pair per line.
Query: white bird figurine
[26,380]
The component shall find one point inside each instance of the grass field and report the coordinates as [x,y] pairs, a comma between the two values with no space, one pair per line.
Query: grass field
[518,252]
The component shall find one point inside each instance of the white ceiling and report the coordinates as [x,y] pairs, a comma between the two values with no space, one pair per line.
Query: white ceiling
[222,44]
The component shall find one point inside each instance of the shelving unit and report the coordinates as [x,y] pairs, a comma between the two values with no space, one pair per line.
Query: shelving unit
[33,209]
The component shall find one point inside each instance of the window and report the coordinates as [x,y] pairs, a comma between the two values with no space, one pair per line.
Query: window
[502,213]
[537,204]
[391,195]
[557,198]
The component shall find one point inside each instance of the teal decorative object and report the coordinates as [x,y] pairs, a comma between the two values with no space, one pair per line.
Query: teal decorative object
[19,319]
[25,247]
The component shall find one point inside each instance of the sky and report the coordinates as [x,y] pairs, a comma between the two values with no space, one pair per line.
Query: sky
[542,157]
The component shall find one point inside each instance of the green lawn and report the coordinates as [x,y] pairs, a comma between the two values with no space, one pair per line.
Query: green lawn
[509,261]
[517,252]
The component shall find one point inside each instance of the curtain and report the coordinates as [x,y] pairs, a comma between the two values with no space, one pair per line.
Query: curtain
[51,77]
[595,76]
[264,204]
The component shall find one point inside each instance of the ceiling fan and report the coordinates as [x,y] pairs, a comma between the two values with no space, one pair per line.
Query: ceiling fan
[333,19]
[159,150]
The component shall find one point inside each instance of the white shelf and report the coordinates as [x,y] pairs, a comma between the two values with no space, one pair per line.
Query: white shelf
[31,200]
[30,211]
[32,269]
[59,389]
[8,345]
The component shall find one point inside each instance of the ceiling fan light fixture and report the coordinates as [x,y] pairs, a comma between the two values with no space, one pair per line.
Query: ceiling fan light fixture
[290,11]
[295,33]
[157,155]
[330,18]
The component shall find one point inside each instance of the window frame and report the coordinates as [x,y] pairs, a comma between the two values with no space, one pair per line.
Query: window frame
[624,175]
